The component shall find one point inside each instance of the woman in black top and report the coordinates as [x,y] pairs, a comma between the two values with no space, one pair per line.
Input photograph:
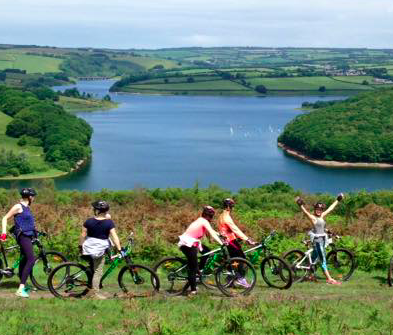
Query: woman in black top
[95,241]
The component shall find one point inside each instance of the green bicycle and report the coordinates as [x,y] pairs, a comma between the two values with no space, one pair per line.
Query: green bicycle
[275,271]
[74,280]
[220,271]
[43,265]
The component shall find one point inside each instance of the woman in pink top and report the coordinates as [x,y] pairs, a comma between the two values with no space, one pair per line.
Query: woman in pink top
[190,243]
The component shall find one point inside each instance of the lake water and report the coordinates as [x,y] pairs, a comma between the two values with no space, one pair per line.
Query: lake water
[176,141]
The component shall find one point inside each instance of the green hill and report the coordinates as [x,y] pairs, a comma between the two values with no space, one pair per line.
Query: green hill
[359,129]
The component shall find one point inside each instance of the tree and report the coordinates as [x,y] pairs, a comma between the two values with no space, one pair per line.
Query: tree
[261,89]
[166,80]
[190,80]
[322,89]
[365,82]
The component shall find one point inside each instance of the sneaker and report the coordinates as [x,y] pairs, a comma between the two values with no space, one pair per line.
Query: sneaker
[22,293]
[193,293]
[242,282]
[99,296]
[333,282]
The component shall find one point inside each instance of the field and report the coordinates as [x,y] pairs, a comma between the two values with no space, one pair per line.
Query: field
[360,306]
[149,62]
[305,83]
[30,63]
[71,104]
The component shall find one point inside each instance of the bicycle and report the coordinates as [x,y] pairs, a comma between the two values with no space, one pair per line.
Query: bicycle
[173,273]
[43,265]
[274,270]
[390,273]
[340,261]
[74,280]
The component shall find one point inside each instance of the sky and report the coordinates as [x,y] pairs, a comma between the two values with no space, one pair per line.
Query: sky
[139,24]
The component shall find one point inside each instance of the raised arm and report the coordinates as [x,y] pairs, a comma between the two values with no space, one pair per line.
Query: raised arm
[300,202]
[333,205]
[213,233]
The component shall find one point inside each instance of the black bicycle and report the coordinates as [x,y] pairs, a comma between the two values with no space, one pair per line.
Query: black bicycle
[44,263]
[232,276]
[74,280]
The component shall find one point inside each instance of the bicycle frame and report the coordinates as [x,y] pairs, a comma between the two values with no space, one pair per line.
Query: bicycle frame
[258,250]
[307,255]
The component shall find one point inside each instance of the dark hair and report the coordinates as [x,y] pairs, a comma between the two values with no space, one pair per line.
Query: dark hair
[28,192]
[100,206]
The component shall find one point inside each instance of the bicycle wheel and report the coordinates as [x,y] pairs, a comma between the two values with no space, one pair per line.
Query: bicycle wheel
[276,272]
[43,266]
[293,257]
[207,278]
[235,277]
[138,281]
[390,273]
[69,280]
[341,264]
[173,275]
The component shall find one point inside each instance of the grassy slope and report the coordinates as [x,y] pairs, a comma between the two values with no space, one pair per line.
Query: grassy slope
[30,63]
[305,83]
[73,104]
[360,306]
[35,154]
[148,62]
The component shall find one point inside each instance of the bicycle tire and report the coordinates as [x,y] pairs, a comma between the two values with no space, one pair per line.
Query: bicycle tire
[292,257]
[38,276]
[276,272]
[68,276]
[173,275]
[228,275]
[339,266]
[390,273]
[144,281]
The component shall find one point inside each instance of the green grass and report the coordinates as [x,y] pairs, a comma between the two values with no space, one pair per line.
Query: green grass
[71,104]
[203,85]
[30,63]
[305,83]
[355,79]
[148,62]
[360,306]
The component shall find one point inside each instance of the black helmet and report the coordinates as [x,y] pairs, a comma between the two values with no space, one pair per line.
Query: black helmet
[228,202]
[100,205]
[319,205]
[28,192]
[208,211]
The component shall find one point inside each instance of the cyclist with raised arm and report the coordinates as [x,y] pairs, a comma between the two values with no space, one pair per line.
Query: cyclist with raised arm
[190,243]
[318,233]
[24,231]
[95,241]
[232,233]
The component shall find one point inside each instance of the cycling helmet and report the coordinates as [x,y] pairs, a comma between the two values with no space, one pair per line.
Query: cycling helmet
[319,205]
[100,205]
[28,192]
[208,211]
[228,202]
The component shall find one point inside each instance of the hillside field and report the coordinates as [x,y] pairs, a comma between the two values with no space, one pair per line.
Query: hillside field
[30,63]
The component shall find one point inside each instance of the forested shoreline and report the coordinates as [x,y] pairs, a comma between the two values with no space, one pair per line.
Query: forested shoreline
[38,121]
[359,129]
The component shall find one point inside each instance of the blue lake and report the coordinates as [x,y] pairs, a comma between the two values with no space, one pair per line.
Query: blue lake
[176,141]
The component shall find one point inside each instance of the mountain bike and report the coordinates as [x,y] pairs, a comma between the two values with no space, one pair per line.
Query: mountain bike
[43,265]
[275,271]
[340,262]
[74,280]
[390,273]
[219,271]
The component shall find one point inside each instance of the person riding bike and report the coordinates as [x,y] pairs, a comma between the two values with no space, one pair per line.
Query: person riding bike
[94,242]
[24,230]
[232,233]
[190,243]
[318,234]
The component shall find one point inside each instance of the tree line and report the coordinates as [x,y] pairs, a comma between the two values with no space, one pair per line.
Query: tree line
[64,137]
[359,129]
